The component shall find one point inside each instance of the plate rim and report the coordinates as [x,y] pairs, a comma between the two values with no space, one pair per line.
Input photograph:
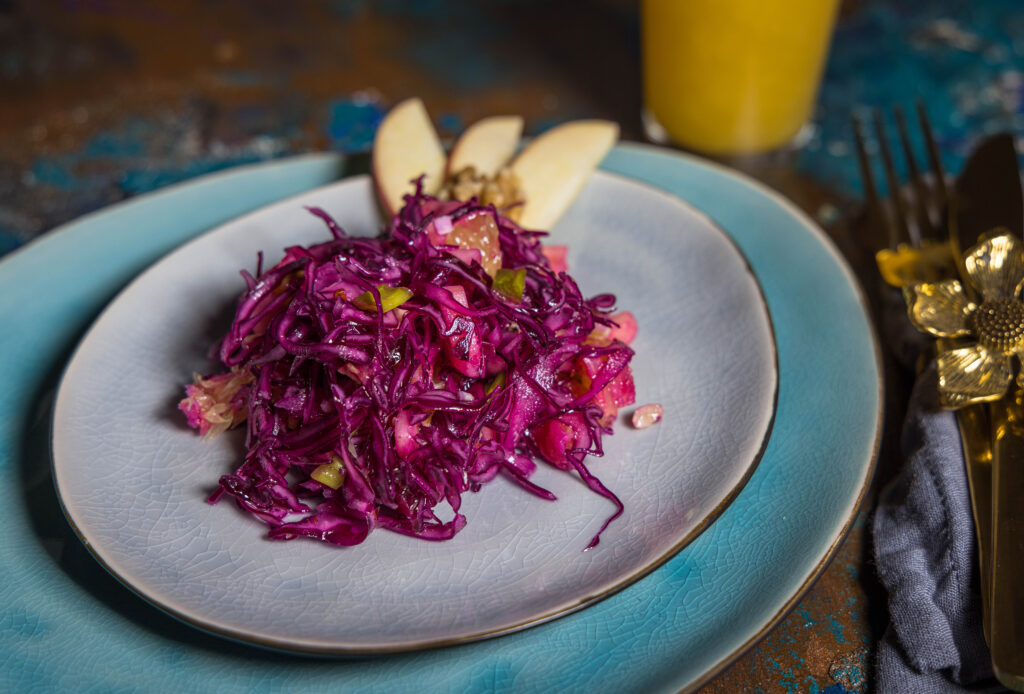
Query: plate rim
[317,647]
[871,467]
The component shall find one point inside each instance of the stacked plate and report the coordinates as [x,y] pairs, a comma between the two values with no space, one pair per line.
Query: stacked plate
[753,336]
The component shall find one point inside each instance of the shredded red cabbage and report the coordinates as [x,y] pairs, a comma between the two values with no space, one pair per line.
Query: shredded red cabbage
[380,377]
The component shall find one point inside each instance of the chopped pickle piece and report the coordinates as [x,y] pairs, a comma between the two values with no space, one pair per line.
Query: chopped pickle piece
[511,283]
[390,298]
[330,474]
[497,382]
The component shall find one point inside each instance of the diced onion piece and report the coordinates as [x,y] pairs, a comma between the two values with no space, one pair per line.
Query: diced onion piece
[443,225]
[557,257]
[646,415]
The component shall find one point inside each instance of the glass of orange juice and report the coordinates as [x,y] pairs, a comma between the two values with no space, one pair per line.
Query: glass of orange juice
[732,77]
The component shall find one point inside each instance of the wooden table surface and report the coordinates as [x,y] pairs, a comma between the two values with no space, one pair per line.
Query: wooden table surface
[104,99]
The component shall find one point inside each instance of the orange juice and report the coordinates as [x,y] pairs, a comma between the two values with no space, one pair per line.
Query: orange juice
[733,76]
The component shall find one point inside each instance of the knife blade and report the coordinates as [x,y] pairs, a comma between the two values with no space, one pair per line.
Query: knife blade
[987,195]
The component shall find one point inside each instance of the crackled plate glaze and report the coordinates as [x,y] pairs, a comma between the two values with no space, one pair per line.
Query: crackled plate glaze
[133,480]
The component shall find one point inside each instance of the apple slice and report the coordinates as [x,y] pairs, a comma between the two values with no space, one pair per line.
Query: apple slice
[405,147]
[487,145]
[553,168]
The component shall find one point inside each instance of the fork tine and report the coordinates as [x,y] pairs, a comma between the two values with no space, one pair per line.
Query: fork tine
[934,159]
[892,181]
[872,197]
[870,190]
[925,229]
[873,200]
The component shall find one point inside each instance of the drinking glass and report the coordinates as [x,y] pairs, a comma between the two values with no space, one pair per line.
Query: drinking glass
[732,77]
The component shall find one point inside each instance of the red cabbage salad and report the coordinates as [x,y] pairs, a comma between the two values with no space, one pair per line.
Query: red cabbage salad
[380,377]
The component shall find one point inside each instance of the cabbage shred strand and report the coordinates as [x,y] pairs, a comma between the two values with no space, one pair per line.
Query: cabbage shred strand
[398,407]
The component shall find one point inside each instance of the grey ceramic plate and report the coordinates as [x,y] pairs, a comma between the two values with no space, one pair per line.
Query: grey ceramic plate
[133,479]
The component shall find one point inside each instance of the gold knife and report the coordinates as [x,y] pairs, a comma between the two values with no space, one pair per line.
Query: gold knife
[988,194]
[1007,590]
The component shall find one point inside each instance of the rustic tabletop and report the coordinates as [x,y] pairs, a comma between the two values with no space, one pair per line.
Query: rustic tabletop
[107,99]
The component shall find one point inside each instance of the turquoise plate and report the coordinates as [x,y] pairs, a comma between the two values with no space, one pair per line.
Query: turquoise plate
[67,625]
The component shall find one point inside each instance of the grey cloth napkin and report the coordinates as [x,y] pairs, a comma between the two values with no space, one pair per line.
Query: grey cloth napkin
[926,553]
